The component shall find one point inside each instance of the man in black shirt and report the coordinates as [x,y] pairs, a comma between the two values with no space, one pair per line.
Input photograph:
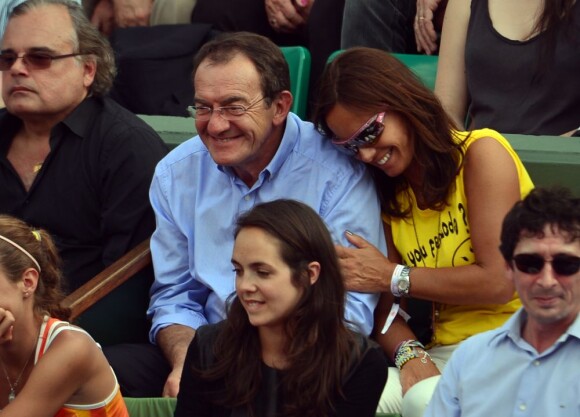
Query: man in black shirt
[72,161]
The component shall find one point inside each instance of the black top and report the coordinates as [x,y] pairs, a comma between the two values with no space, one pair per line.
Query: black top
[507,93]
[362,389]
[91,192]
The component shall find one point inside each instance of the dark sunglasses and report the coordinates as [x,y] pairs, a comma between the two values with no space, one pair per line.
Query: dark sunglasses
[561,264]
[367,135]
[33,60]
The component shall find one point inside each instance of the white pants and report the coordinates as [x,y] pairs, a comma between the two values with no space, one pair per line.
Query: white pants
[418,396]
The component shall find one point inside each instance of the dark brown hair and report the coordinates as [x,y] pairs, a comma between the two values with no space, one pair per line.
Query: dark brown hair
[40,246]
[266,56]
[319,346]
[555,207]
[372,80]
[556,19]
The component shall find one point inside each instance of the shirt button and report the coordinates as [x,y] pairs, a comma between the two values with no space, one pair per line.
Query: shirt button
[522,407]
[247,198]
[536,363]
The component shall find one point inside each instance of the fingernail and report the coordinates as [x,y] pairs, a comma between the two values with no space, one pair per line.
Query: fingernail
[348,232]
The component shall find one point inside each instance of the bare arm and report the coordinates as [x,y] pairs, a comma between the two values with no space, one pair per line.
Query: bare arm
[492,188]
[414,370]
[73,370]
[451,84]
[174,341]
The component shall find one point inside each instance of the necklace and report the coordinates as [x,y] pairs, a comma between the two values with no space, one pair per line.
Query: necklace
[13,387]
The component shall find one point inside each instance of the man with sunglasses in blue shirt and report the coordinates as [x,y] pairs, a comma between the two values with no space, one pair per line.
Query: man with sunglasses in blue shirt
[531,365]
[250,150]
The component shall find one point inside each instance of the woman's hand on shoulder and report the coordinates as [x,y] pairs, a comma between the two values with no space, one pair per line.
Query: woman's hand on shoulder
[364,267]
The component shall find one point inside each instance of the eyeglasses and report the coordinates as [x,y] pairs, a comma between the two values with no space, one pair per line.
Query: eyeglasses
[561,264]
[33,60]
[365,136]
[203,113]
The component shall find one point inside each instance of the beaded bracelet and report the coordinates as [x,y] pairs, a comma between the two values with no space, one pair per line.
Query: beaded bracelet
[410,349]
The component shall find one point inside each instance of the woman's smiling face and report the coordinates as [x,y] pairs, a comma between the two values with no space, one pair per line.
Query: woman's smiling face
[392,152]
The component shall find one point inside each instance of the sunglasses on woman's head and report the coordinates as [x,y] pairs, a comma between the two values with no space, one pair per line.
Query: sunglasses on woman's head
[564,265]
[367,135]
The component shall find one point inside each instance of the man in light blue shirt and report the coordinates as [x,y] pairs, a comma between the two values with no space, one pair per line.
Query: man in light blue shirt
[529,367]
[250,149]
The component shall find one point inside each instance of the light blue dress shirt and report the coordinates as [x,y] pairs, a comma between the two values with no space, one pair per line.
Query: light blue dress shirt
[196,203]
[499,374]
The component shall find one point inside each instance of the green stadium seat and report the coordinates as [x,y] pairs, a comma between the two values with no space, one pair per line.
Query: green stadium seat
[424,67]
[298,58]
[150,407]
[164,407]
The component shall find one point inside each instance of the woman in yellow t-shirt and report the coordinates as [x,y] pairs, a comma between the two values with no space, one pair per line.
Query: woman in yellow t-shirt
[444,194]
[48,367]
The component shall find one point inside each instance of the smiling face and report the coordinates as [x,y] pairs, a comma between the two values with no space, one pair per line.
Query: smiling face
[392,152]
[50,93]
[549,298]
[248,142]
[263,280]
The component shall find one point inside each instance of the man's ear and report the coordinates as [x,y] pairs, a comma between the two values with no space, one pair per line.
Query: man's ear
[90,68]
[282,104]
[29,281]
[313,272]
[509,272]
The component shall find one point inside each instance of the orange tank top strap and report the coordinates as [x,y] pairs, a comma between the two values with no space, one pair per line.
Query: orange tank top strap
[45,331]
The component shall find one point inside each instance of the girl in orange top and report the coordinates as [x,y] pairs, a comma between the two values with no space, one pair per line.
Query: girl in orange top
[48,367]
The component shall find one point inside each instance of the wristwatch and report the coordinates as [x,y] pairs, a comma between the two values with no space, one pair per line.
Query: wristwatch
[404,282]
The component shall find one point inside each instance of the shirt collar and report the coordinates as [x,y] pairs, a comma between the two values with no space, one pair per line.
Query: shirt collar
[513,329]
[81,117]
[9,125]
[78,122]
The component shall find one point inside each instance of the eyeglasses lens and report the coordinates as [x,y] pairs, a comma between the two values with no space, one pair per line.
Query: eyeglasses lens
[33,60]
[564,265]
[367,135]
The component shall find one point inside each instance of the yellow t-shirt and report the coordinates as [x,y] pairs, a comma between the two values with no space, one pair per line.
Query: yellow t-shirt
[442,239]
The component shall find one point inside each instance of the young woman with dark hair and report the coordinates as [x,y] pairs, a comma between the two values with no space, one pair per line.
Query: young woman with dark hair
[443,194]
[49,368]
[284,349]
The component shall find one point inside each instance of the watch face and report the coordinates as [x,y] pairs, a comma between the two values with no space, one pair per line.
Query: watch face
[403,285]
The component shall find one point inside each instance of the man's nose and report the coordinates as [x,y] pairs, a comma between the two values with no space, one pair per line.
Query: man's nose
[216,123]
